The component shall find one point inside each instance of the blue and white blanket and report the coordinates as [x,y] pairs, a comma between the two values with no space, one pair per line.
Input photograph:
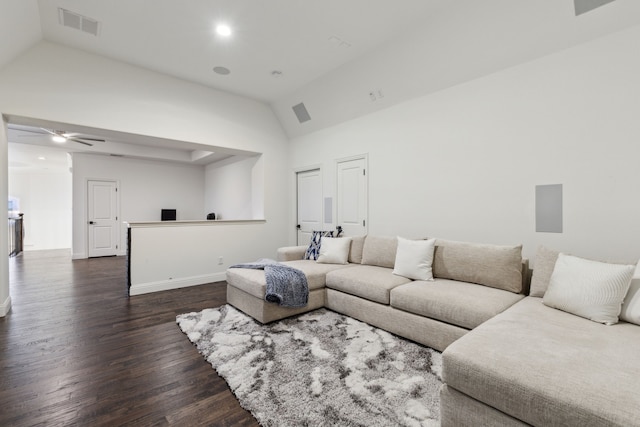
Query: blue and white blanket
[286,286]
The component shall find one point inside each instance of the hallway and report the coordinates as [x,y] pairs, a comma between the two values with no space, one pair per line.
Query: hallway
[76,350]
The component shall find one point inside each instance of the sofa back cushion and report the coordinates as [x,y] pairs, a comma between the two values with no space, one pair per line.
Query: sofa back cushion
[357,245]
[542,270]
[489,265]
[379,251]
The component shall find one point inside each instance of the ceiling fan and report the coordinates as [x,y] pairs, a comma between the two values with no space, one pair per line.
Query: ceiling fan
[62,136]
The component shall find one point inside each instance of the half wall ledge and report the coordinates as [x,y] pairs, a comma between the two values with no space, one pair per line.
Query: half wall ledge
[164,255]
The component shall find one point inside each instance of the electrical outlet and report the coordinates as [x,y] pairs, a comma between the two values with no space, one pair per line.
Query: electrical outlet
[220,260]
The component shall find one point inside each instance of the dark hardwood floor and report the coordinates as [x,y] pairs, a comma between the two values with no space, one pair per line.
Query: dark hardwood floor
[75,350]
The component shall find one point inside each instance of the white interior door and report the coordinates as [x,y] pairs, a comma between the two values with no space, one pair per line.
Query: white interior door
[351,206]
[102,211]
[309,204]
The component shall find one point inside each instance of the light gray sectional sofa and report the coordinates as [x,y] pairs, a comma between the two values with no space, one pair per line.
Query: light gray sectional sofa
[508,359]
[469,288]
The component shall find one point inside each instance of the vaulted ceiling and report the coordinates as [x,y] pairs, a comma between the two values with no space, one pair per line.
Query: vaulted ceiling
[342,59]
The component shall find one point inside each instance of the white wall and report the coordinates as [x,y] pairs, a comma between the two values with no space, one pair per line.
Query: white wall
[93,91]
[45,200]
[230,192]
[172,255]
[463,163]
[145,188]
[19,23]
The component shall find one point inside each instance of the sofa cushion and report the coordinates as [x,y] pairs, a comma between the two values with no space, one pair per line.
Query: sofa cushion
[542,269]
[548,367]
[591,289]
[458,303]
[365,281]
[414,259]
[254,283]
[380,251]
[357,245]
[490,265]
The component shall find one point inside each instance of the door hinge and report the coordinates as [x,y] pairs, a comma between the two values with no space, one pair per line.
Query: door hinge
[363,223]
[364,172]
[116,246]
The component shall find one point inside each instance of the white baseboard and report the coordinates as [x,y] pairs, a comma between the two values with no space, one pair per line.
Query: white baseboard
[5,307]
[78,256]
[165,285]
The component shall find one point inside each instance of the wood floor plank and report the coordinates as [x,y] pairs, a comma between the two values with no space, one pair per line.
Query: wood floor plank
[75,350]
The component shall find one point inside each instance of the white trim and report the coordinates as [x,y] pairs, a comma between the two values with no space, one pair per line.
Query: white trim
[78,256]
[5,307]
[189,223]
[165,285]
[364,156]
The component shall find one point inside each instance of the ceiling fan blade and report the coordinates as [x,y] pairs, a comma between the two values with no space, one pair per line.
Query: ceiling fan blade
[50,132]
[35,135]
[31,131]
[88,139]
[80,141]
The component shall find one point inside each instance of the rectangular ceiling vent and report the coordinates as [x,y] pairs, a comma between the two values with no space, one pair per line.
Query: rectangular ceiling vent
[78,22]
[301,113]
[584,6]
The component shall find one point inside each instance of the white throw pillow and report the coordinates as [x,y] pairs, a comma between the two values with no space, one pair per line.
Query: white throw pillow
[589,289]
[334,250]
[414,259]
[631,306]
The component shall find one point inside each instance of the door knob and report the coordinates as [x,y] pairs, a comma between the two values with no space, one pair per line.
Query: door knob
[91,222]
[298,227]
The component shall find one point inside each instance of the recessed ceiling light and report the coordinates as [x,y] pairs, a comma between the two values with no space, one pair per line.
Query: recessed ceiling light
[223,71]
[223,30]
[42,158]
[59,139]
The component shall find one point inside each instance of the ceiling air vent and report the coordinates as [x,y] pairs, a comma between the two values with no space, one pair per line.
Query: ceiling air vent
[584,6]
[78,22]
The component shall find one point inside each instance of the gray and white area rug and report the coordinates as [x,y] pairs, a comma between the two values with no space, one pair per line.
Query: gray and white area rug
[319,369]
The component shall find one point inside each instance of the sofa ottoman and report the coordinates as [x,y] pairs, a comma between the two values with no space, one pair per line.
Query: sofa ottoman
[246,289]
